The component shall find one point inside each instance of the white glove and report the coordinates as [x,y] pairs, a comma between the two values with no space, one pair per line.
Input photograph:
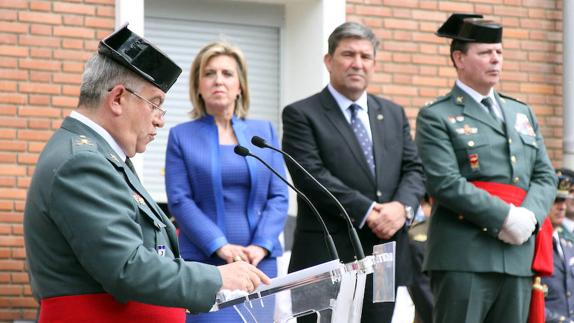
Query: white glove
[518,226]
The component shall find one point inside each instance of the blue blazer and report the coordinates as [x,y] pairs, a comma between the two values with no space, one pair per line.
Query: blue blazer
[194,189]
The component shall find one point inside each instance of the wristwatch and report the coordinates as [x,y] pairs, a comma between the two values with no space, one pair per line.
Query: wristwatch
[409,213]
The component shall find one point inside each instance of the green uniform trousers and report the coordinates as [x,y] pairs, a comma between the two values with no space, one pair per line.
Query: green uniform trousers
[467,297]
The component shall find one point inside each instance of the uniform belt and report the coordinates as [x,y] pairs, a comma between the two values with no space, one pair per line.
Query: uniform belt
[103,308]
[542,263]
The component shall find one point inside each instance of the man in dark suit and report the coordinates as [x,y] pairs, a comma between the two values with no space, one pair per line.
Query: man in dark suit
[359,146]
[99,249]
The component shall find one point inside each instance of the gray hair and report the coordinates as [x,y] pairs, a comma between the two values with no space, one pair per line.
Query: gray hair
[351,30]
[100,75]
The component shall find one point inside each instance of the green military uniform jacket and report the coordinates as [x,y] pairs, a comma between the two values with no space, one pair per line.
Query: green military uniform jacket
[91,227]
[458,142]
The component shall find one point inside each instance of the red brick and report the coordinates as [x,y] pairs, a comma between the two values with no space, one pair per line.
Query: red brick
[65,101]
[69,43]
[8,15]
[10,290]
[13,27]
[11,302]
[40,53]
[5,205]
[12,98]
[40,77]
[20,278]
[27,159]
[78,9]
[106,11]
[110,23]
[15,51]
[450,6]
[39,112]
[73,55]
[103,2]
[8,39]
[7,158]
[74,32]
[8,86]
[7,133]
[39,64]
[73,20]
[44,18]
[40,5]
[13,4]
[36,147]
[40,41]
[39,88]
[34,135]
[39,123]
[39,29]
[73,67]
[19,253]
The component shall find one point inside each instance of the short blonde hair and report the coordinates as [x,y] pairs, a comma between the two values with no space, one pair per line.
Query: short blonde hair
[197,67]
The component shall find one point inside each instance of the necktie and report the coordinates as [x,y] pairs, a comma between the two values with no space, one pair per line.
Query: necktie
[487,101]
[362,137]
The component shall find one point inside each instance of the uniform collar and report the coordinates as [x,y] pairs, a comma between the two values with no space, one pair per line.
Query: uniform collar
[100,131]
[343,102]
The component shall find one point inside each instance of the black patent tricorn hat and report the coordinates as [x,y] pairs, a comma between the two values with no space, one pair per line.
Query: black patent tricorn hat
[471,28]
[142,57]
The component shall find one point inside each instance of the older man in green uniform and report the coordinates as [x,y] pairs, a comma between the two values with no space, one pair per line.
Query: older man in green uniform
[493,184]
[99,248]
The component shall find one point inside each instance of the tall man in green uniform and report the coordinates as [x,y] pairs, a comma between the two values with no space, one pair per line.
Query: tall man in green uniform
[99,249]
[493,184]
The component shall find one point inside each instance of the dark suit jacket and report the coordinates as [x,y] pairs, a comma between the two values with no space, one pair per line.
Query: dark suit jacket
[317,135]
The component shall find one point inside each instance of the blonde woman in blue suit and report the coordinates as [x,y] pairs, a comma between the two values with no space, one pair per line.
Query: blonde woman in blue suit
[227,207]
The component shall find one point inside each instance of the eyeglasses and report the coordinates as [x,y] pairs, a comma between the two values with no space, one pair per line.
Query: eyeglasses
[154,106]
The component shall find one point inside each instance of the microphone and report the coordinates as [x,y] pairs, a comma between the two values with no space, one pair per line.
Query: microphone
[354,237]
[242,151]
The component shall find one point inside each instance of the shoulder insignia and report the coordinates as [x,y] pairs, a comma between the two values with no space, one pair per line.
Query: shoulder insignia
[504,96]
[83,143]
[421,237]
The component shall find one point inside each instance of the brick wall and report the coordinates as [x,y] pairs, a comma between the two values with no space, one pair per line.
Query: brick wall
[43,45]
[414,65]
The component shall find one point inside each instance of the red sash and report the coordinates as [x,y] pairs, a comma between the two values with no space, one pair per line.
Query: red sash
[103,308]
[542,263]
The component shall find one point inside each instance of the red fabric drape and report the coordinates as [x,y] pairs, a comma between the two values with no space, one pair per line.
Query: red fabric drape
[103,308]
[542,263]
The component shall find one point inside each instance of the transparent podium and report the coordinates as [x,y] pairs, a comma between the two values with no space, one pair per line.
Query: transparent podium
[332,290]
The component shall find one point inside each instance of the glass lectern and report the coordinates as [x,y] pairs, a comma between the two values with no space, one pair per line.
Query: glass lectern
[332,290]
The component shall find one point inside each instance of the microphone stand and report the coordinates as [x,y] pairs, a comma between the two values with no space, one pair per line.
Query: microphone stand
[354,237]
[242,151]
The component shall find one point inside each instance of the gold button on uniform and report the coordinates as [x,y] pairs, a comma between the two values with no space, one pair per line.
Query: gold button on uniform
[484,229]
[509,140]
[513,159]
[461,217]
[516,179]
[471,143]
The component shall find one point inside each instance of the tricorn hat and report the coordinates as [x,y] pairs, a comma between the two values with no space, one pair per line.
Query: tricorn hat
[471,28]
[565,181]
[142,57]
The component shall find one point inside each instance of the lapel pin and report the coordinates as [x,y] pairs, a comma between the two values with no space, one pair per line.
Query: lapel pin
[114,158]
[459,99]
